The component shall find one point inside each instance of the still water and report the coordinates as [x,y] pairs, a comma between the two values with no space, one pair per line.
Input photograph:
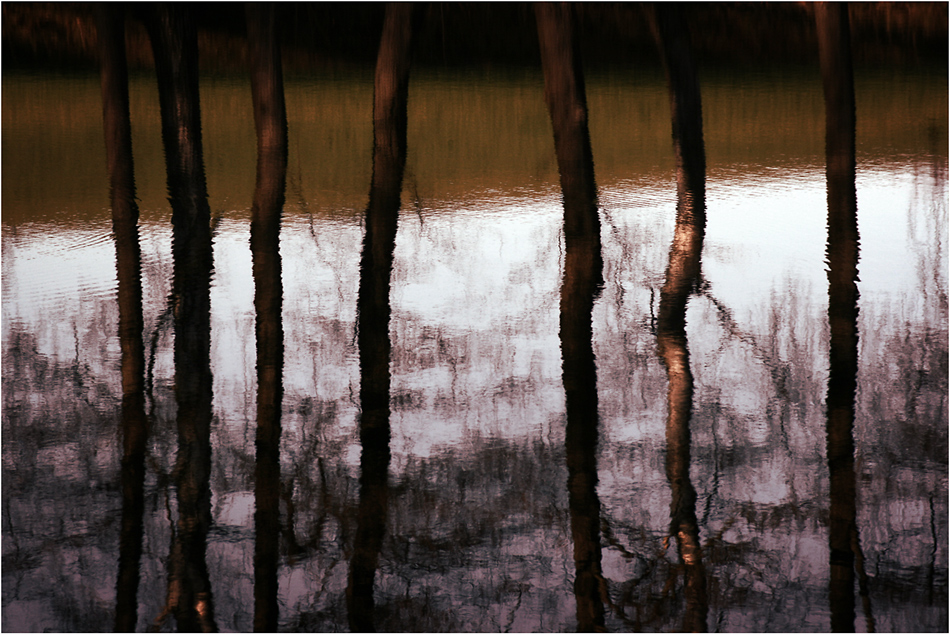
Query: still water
[486,495]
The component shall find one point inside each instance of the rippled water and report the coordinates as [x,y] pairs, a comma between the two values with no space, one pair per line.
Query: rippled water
[479,529]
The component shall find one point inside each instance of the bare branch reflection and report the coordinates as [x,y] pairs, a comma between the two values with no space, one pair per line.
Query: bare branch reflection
[514,470]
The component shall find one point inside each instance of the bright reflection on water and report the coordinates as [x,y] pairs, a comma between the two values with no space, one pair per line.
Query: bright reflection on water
[478,531]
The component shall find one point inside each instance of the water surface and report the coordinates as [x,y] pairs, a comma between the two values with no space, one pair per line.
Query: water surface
[478,513]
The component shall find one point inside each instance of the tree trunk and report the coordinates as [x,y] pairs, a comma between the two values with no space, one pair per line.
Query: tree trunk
[110,27]
[270,119]
[391,91]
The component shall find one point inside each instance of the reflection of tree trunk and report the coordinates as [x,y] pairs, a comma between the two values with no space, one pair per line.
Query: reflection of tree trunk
[566,101]
[837,76]
[191,589]
[271,123]
[193,391]
[579,371]
[373,309]
[174,42]
[117,128]
[682,274]
[110,25]
[842,252]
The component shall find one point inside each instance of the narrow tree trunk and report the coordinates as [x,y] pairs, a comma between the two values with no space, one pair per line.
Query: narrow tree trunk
[110,27]
[834,47]
[670,30]
[270,121]
[567,104]
[682,274]
[175,46]
[669,27]
[174,43]
[579,373]
[391,91]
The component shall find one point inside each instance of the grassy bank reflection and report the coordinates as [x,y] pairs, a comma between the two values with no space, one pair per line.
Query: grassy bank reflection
[755,122]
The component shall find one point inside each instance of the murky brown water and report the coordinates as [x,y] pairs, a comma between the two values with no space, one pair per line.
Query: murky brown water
[471,513]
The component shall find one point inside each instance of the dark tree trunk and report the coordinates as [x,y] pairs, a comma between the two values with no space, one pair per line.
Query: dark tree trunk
[579,373]
[174,42]
[110,27]
[834,46]
[391,90]
[390,99]
[683,273]
[567,104]
[671,32]
[270,120]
